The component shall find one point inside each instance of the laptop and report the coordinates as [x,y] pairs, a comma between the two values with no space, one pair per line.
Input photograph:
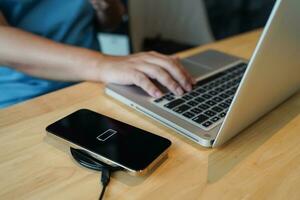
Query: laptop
[230,93]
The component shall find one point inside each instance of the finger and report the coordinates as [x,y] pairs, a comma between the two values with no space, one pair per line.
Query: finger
[172,67]
[141,80]
[177,59]
[162,76]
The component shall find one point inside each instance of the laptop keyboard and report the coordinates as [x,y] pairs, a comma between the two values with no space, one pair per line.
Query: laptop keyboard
[207,104]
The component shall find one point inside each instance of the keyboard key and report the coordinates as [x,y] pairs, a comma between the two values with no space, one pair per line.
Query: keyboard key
[230,92]
[207,124]
[217,109]
[187,97]
[228,100]
[215,119]
[206,87]
[196,110]
[170,98]
[194,94]
[231,76]
[224,105]
[206,96]
[182,108]
[211,103]
[189,115]
[214,84]
[213,92]
[217,99]
[222,114]
[236,82]
[210,85]
[210,113]
[203,106]
[209,79]
[159,100]
[199,99]
[200,118]
[193,103]
[230,83]
[200,90]
[224,87]
[219,81]
[174,103]
[219,89]
[234,88]
[223,79]
[227,78]
[223,95]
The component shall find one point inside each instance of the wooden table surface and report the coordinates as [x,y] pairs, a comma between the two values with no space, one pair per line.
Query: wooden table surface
[263,162]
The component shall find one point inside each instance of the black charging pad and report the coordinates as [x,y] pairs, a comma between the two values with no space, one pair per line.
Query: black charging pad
[84,159]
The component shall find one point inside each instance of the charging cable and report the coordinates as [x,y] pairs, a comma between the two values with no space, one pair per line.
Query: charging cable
[85,160]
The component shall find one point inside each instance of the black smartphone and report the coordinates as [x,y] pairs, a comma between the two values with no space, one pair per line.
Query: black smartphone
[111,141]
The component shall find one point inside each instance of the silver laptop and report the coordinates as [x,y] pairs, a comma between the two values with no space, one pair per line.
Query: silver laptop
[230,93]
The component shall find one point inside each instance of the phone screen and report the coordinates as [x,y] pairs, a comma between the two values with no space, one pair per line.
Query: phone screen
[116,141]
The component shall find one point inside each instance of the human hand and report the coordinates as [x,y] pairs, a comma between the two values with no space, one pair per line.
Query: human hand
[138,69]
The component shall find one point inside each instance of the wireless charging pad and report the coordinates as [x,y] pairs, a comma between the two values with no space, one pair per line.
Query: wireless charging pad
[84,159]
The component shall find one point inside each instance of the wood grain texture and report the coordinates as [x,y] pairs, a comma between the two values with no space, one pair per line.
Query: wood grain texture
[263,162]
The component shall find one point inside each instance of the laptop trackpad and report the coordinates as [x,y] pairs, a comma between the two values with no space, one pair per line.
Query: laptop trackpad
[207,61]
[194,68]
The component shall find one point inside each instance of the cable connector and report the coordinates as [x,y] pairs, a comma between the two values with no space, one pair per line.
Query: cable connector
[105,176]
[85,160]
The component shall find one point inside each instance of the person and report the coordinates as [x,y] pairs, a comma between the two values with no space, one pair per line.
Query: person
[49,44]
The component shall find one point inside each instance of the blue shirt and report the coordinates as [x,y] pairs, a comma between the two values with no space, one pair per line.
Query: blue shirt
[66,21]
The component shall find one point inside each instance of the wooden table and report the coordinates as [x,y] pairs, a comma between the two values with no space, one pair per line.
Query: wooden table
[263,162]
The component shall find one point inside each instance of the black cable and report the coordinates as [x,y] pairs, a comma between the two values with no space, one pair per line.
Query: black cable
[105,178]
[102,192]
[84,159]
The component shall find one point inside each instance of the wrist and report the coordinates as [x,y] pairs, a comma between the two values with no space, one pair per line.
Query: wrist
[96,66]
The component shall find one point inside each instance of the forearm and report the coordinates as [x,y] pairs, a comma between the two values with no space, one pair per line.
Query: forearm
[44,58]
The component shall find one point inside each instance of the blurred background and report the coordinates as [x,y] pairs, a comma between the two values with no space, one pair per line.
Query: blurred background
[169,26]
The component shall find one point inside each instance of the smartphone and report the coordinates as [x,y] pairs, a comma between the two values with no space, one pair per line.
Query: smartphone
[111,141]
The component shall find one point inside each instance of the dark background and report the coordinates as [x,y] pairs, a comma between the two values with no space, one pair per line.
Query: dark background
[232,17]
[226,18]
